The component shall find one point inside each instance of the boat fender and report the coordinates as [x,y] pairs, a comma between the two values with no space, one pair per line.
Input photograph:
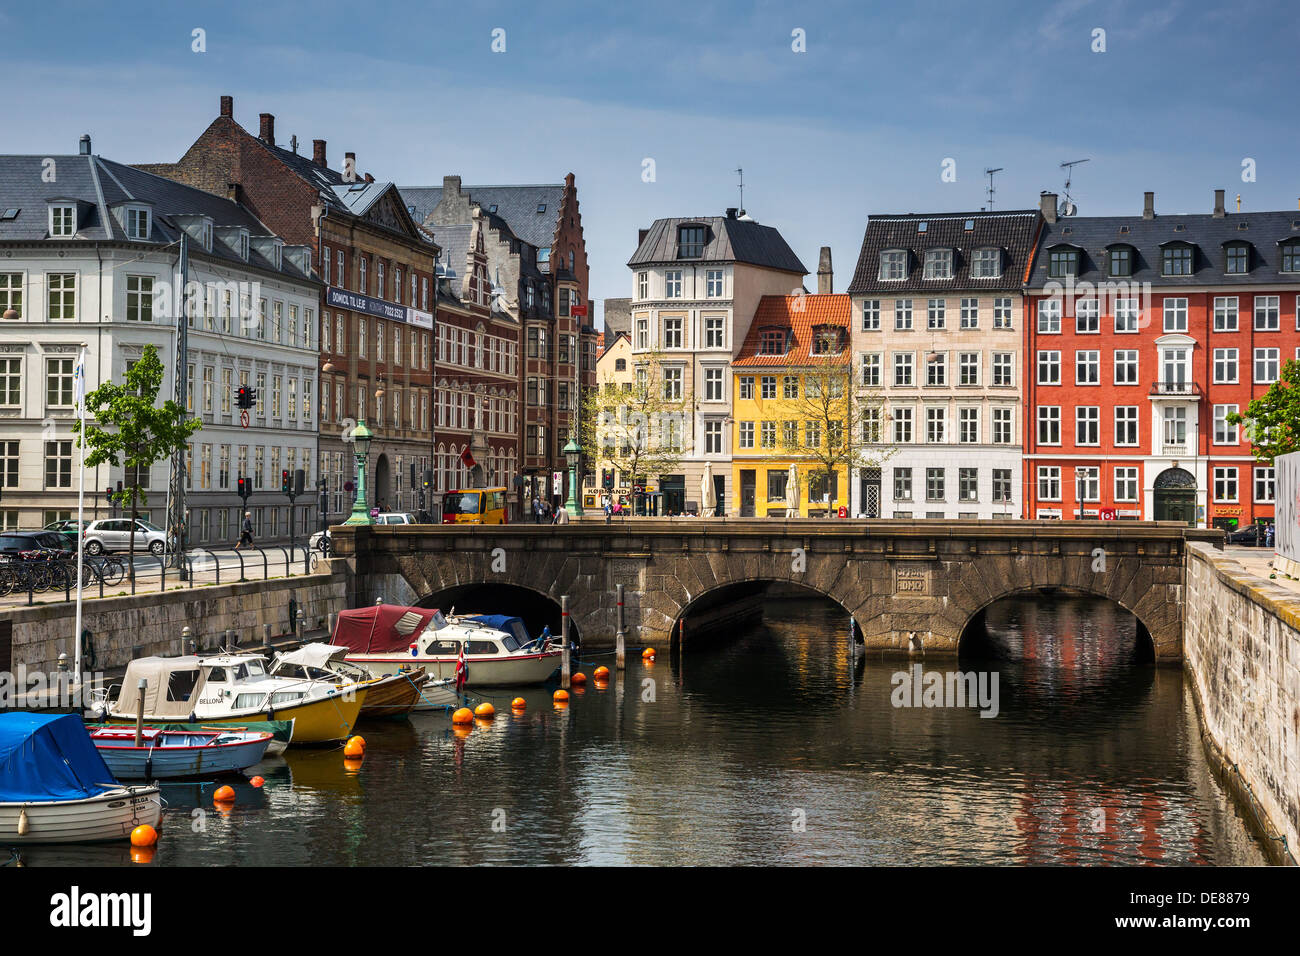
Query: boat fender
[23,826]
[270,712]
[193,719]
[148,767]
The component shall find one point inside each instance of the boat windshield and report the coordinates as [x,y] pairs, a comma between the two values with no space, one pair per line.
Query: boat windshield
[437,622]
[511,642]
[249,670]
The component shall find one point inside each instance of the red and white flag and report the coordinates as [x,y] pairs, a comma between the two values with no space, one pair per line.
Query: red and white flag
[467,458]
[462,669]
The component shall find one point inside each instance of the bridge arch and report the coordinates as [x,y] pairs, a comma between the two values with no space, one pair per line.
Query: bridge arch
[536,608]
[1145,648]
[736,601]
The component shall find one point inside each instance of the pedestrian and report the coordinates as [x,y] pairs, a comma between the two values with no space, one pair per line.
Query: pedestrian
[246,531]
[609,510]
[537,511]
[1268,535]
[561,516]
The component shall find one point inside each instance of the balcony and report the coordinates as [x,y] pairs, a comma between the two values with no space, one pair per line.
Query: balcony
[1176,449]
[1176,389]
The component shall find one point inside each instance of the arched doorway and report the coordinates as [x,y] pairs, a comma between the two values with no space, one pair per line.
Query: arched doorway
[383,483]
[1175,496]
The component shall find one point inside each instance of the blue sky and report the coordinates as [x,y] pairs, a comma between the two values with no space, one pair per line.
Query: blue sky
[858,124]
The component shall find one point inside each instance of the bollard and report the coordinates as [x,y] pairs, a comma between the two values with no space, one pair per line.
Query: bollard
[63,662]
[564,640]
[139,713]
[302,627]
[333,618]
[186,639]
[230,638]
[266,636]
[619,639]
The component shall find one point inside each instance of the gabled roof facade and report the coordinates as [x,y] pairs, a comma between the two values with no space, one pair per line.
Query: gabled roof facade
[726,240]
[799,316]
[529,211]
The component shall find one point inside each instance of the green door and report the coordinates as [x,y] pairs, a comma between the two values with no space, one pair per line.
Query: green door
[1175,504]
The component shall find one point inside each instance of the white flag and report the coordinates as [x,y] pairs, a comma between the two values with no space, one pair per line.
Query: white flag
[79,380]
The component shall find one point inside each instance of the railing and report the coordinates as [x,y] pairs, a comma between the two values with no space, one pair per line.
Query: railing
[1174,449]
[1189,389]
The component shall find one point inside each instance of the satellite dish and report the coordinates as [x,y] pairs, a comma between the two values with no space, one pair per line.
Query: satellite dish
[1067,208]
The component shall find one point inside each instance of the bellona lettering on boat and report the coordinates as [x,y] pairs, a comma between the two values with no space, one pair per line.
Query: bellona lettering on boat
[917,688]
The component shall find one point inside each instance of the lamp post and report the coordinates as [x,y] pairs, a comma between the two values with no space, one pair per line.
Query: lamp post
[1080,473]
[361,437]
[572,452]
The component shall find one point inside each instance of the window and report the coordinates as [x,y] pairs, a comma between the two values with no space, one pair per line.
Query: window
[1120,261]
[1087,425]
[936,314]
[58,464]
[1126,315]
[690,242]
[936,369]
[673,284]
[1049,424]
[777,481]
[969,363]
[1087,367]
[673,384]
[968,425]
[1266,313]
[934,484]
[902,484]
[893,264]
[902,425]
[58,382]
[1087,316]
[870,315]
[871,430]
[1088,480]
[1266,366]
[1175,315]
[767,387]
[1049,316]
[938,264]
[790,387]
[63,221]
[936,422]
[987,264]
[11,382]
[61,295]
[139,298]
[713,283]
[1002,426]
[1291,257]
[871,369]
[1049,368]
[1126,366]
[137,223]
[11,292]
[1225,313]
[1265,483]
[642,333]
[968,484]
[1225,484]
[1126,424]
[746,434]
[1049,483]
[672,333]
[1225,432]
[970,313]
[713,384]
[1225,366]
[1175,430]
[1176,260]
[902,315]
[747,387]
[1126,484]
[771,342]
[1004,368]
[903,362]
[642,287]
[1002,313]
[790,434]
[362,267]
[1063,262]
[827,340]
[9,464]
[1001,484]
[1237,260]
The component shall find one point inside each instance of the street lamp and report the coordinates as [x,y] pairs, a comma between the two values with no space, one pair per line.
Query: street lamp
[1080,473]
[361,438]
[572,452]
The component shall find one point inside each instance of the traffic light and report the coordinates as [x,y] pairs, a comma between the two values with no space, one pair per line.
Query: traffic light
[284,481]
[299,482]
[412,474]
[243,488]
[607,478]
[428,478]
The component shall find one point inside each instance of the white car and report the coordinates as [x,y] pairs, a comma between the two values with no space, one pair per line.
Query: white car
[114,534]
[385,517]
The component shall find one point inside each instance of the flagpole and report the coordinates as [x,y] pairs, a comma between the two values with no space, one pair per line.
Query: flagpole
[81,509]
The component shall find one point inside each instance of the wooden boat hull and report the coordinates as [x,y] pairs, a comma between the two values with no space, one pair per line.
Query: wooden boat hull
[394,695]
[111,815]
[281,731]
[162,760]
[320,721]
[504,671]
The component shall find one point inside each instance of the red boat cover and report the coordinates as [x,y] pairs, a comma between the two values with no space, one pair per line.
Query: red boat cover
[381,628]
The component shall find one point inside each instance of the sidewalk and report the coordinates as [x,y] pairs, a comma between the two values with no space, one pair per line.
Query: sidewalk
[1260,561]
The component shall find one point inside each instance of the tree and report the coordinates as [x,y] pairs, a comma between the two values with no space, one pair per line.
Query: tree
[826,419]
[643,427]
[1272,421]
[131,432]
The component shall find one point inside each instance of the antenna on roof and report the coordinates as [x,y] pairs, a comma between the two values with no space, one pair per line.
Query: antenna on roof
[1068,208]
[989,173]
[741,173]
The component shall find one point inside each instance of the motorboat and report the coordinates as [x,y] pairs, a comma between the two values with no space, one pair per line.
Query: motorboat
[56,788]
[498,649]
[233,688]
[167,754]
[387,695]
[281,731]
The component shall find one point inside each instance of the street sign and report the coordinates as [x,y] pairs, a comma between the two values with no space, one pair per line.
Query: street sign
[579,309]
[1108,514]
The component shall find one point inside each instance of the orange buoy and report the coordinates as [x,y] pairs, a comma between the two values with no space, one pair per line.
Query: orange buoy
[257,782]
[144,835]
[518,704]
[352,765]
[485,710]
[142,854]
[224,794]
[578,678]
[648,654]
[355,748]
[601,673]
[560,696]
[463,716]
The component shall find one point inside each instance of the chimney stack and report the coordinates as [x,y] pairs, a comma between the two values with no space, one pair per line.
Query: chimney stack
[1148,205]
[268,129]
[451,184]
[825,277]
[228,106]
[85,144]
[640,236]
[1219,211]
[318,152]
[1047,205]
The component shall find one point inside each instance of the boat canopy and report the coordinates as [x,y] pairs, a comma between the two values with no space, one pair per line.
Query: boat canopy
[503,622]
[383,627]
[49,757]
[312,655]
[173,688]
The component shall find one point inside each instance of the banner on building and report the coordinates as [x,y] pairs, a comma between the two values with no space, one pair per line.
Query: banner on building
[1286,507]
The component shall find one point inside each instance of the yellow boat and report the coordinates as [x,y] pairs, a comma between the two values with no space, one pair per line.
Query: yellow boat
[233,689]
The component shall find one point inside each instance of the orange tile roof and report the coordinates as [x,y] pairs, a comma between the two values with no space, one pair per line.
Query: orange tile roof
[800,314]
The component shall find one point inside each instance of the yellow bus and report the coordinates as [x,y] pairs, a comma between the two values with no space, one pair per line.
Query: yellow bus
[474,506]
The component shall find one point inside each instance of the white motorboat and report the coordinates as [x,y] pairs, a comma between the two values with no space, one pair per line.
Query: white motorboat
[498,649]
[55,787]
[388,695]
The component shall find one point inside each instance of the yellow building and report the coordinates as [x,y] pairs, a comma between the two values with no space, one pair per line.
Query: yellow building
[792,397]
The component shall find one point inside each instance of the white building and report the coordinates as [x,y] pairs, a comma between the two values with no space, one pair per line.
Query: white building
[90,255]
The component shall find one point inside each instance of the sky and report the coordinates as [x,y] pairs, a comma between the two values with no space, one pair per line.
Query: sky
[835,111]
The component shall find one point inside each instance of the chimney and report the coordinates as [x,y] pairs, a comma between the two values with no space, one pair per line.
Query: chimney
[640,236]
[451,184]
[1047,205]
[268,129]
[825,277]
[1219,211]
[318,152]
[369,178]
[85,144]
[232,192]
[1148,205]
[731,212]
[228,106]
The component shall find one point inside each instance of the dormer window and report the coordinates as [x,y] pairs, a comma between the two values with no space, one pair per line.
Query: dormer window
[922,226]
[1291,257]
[987,264]
[893,264]
[970,225]
[938,264]
[63,221]
[1119,261]
[1063,261]
[771,342]
[1176,260]
[541,207]
[207,236]
[690,242]
[1236,259]
[243,246]
[827,340]
[137,222]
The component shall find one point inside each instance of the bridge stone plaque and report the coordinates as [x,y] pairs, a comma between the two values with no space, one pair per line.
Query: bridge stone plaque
[912,581]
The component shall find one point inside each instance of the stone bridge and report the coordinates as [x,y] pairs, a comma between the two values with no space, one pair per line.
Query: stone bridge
[911,586]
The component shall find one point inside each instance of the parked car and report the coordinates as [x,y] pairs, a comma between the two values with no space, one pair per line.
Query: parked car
[13,543]
[114,534]
[1251,536]
[68,526]
[320,540]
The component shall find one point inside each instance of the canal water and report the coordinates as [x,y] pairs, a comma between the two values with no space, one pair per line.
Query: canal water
[765,747]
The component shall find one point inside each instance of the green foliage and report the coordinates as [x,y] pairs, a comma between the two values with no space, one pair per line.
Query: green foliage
[1272,421]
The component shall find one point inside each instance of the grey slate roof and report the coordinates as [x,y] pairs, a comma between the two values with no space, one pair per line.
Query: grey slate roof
[1262,231]
[726,240]
[101,183]
[517,205]
[1012,231]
